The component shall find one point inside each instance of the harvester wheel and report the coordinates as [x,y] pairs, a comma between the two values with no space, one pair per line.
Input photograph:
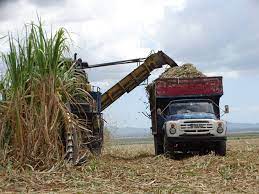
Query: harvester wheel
[95,147]
[97,140]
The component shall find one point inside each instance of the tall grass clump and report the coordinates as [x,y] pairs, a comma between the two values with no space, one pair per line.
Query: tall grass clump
[37,86]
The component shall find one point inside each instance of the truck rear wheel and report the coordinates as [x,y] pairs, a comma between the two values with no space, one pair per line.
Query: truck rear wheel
[158,143]
[221,148]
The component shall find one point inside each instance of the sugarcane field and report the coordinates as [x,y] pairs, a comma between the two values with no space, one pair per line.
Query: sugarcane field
[129,96]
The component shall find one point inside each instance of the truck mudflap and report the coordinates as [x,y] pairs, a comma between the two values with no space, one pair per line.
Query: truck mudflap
[196,139]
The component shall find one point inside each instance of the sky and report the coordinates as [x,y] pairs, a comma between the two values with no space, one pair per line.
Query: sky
[219,37]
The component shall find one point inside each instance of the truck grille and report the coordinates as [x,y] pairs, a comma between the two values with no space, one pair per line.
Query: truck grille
[196,127]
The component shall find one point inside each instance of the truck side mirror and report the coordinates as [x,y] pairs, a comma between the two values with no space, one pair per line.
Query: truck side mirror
[226,109]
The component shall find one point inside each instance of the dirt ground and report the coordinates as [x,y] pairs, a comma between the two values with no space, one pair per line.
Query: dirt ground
[135,169]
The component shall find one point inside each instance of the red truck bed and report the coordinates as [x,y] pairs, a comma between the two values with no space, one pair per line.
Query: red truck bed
[207,86]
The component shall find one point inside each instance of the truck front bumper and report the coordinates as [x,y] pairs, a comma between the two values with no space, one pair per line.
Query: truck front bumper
[196,139]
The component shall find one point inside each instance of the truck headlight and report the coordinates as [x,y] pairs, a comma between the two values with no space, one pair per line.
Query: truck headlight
[220,127]
[172,130]
[220,130]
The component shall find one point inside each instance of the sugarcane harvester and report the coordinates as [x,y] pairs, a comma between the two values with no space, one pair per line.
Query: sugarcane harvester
[92,112]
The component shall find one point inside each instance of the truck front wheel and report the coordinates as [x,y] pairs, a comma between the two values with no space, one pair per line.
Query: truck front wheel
[220,148]
[168,148]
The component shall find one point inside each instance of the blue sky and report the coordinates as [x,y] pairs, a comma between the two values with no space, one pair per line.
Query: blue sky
[219,37]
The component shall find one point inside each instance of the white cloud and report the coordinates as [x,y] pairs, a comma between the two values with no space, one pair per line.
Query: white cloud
[104,84]
[226,74]
[101,30]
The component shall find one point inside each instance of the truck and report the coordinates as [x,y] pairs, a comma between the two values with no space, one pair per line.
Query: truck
[185,115]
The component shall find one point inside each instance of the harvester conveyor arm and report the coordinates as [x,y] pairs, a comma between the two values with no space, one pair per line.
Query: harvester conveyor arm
[117,62]
[136,77]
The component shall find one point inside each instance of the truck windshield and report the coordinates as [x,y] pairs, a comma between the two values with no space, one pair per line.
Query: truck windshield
[191,107]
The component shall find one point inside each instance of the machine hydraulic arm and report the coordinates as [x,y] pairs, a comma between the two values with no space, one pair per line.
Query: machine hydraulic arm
[136,77]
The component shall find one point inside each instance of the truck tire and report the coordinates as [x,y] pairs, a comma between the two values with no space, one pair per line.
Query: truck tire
[168,148]
[220,148]
[158,143]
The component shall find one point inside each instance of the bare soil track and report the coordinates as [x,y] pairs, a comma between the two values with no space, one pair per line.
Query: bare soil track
[135,169]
